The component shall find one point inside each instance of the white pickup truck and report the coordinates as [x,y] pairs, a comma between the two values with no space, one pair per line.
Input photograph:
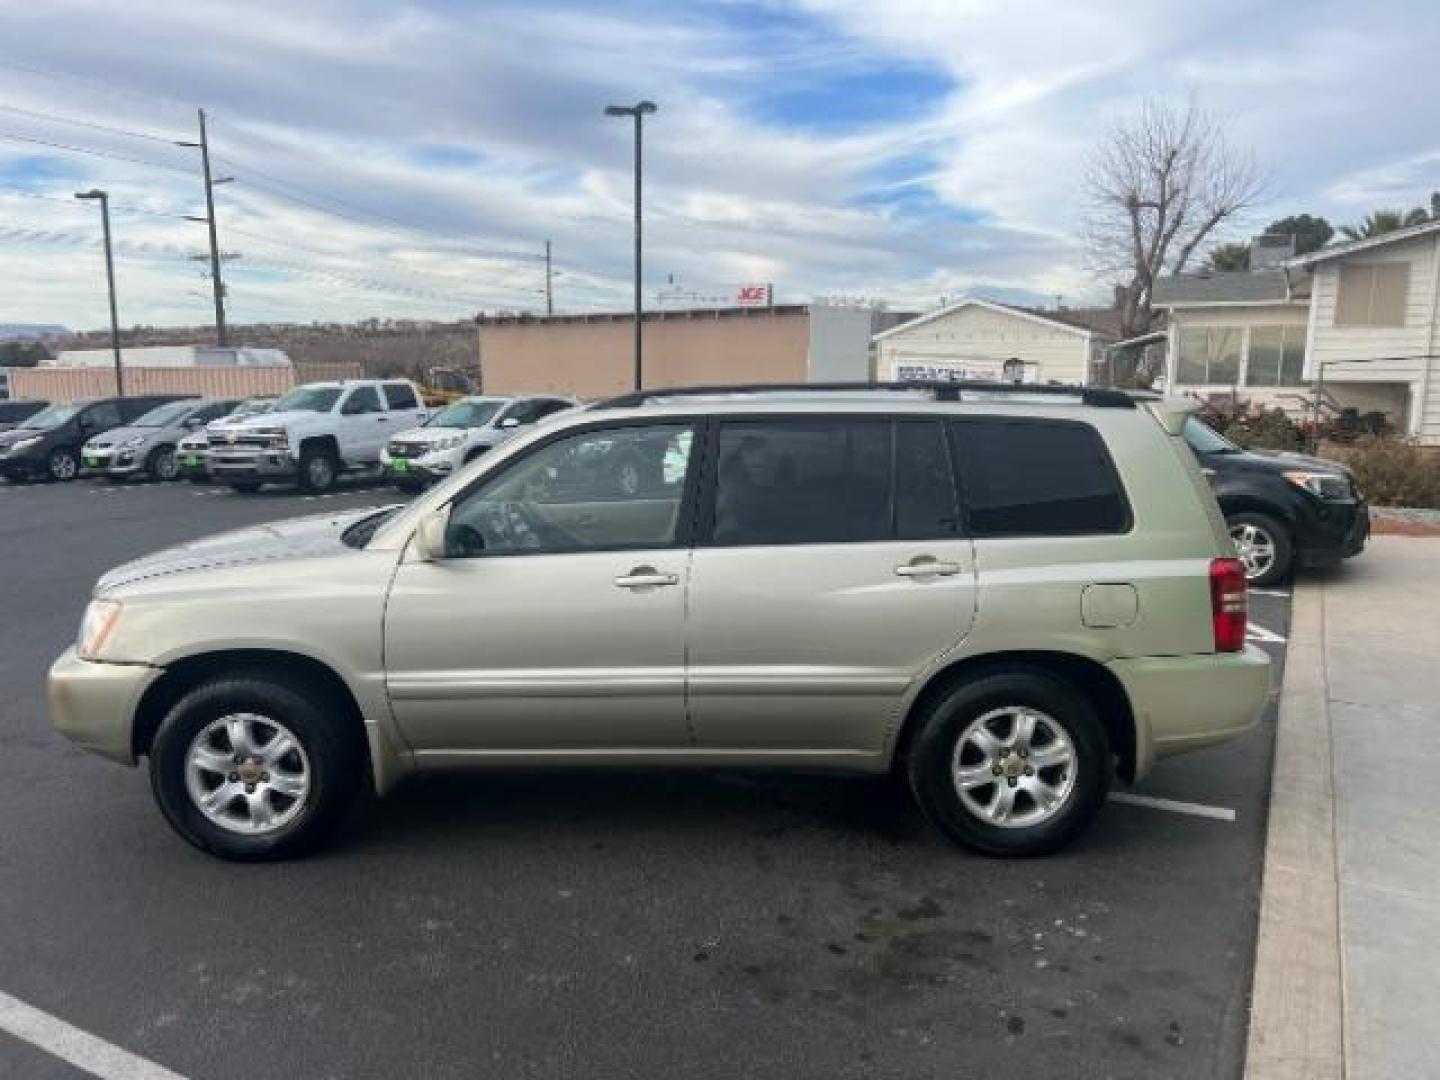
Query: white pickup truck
[314,433]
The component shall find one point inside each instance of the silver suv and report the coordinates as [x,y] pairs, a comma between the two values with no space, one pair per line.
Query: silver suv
[1003,597]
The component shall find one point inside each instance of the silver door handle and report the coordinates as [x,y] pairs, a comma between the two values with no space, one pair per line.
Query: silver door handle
[646,577]
[927,568]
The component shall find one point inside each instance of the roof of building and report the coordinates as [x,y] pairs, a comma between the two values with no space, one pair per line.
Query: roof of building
[1216,287]
[1086,321]
[1350,247]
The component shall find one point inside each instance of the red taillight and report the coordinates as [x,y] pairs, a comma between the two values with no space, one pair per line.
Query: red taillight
[1228,603]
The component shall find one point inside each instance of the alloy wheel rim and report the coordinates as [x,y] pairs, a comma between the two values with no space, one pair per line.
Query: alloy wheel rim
[248,774]
[63,467]
[1014,767]
[319,472]
[165,466]
[1254,547]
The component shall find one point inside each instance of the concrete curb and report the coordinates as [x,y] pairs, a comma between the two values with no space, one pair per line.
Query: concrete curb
[1297,1009]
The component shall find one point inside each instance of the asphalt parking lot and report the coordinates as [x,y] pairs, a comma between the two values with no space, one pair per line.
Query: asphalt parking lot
[613,925]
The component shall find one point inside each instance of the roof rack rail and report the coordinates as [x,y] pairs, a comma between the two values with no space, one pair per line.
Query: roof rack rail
[1094,396]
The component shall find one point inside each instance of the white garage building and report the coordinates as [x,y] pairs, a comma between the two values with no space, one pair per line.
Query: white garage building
[982,339]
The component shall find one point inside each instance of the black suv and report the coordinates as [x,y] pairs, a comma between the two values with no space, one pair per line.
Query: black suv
[47,445]
[1281,509]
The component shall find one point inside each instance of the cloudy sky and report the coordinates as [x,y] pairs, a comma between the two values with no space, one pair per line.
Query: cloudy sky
[409,159]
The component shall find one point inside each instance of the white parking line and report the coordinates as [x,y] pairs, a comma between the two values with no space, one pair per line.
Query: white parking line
[1218,813]
[79,1048]
[1256,632]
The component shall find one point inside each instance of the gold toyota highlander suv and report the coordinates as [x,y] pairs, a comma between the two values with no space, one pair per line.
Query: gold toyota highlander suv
[1004,595]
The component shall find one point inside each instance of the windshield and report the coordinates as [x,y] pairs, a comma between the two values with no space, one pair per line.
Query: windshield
[252,406]
[54,416]
[1204,439]
[164,415]
[309,399]
[359,534]
[466,414]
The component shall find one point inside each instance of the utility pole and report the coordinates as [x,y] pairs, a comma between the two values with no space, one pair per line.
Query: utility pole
[104,199]
[639,111]
[549,283]
[217,284]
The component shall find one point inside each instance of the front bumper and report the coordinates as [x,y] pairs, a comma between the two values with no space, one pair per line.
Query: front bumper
[1184,703]
[94,704]
[246,464]
[96,462]
[26,464]
[1331,532]
[425,469]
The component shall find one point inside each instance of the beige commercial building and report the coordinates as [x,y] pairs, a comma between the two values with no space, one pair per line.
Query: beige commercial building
[592,356]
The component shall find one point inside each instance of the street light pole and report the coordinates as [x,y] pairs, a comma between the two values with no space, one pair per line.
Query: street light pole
[639,111]
[549,283]
[104,199]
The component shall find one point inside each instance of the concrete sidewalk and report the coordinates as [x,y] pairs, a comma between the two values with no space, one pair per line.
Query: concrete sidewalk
[1347,979]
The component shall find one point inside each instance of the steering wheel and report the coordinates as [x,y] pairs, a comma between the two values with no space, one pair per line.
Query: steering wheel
[465,541]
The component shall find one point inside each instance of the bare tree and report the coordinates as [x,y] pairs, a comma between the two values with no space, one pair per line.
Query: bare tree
[1157,187]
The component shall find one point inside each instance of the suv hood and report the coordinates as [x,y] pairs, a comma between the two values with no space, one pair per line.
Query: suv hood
[428,434]
[115,436]
[1281,460]
[296,538]
[263,421]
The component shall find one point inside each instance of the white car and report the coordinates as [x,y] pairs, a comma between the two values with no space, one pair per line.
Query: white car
[462,432]
[313,434]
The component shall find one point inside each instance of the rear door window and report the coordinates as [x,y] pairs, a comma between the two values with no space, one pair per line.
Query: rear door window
[400,396]
[106,415]
[1038,478]
[362,399]
[802,482]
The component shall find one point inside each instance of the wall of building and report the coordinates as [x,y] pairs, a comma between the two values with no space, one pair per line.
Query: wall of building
[840,344]
[67,384]
[1241,317]
[981,340]
[594,358]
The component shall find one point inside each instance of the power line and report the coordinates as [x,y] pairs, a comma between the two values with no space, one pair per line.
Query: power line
[94,153]
[57,118]
[8,190]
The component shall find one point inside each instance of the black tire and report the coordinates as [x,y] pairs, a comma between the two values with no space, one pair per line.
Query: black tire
[334,755]
[244,487]
[934,749]
[197,478]
[315,478]
[1280,543]
[161,466]
[62,465]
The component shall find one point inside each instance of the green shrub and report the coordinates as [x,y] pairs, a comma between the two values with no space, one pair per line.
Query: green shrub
[1392,472]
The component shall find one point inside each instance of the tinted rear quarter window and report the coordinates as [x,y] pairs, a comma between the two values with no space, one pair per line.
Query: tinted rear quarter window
[1038,478]
[400,396]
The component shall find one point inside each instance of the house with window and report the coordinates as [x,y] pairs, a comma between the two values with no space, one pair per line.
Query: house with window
[982,339]
[1357,319]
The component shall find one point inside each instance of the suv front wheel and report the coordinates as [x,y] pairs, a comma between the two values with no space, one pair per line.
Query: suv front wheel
[1263,545]
[1012,762]
[252,768]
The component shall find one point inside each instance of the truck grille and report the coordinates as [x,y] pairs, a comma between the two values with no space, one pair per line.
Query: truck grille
[406,450]
[238,442]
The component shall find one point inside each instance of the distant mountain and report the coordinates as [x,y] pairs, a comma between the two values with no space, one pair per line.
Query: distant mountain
[31,331]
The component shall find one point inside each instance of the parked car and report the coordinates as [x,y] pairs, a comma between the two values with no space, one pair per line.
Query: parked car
[147,446]
[313,434]
[14,412]
[1004,598]
[1281,509]
[192,450]
[459,433]
[47,445]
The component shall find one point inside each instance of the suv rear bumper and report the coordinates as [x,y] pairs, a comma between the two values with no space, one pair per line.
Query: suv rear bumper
[1184,703]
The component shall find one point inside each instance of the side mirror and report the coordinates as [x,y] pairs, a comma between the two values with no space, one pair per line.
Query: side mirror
[430,535]
[509,422]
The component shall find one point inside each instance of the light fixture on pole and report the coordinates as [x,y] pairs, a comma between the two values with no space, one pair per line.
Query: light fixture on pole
[638,111]
[103,198]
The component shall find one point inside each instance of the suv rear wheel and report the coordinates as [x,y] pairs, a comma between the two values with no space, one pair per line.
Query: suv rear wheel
[1263,545]
[62,464]
[1012,762]
[161,465]
[252,768]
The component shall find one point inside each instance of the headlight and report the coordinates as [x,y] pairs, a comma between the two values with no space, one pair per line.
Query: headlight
[95,626]
[133,441]
[1330,486]
[275,438]
[447,444]
[25,444]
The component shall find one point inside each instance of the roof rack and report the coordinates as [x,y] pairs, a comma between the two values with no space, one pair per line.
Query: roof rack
[1094,396]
